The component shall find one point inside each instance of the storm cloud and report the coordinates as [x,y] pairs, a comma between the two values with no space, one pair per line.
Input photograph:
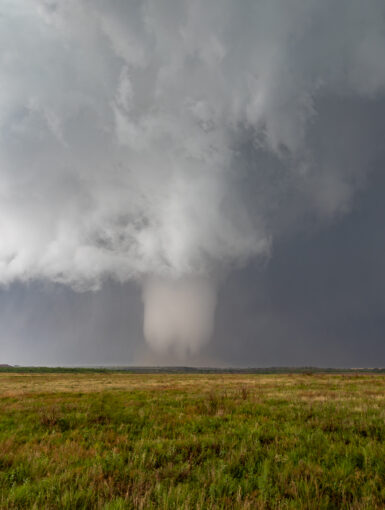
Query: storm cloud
[169,141]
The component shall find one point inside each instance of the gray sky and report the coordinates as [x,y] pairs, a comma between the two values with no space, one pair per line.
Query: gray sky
[212,170]
[319,300]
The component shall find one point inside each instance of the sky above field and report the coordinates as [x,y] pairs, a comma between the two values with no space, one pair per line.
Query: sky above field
[192,182]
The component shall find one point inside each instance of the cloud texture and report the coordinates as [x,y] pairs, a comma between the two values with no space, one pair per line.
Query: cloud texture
[175,139]
[121,125]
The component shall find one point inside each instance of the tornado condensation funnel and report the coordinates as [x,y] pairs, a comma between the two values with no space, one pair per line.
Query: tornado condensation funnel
[178,314]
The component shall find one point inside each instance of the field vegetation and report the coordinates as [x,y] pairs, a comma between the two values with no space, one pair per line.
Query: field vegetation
[113,440]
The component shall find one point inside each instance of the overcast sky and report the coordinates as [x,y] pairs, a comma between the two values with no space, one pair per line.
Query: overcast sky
[192,182]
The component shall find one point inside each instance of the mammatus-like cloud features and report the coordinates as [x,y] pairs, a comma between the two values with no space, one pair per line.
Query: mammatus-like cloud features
[123,128]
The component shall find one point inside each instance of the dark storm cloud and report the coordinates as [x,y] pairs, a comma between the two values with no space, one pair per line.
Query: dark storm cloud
[319,301]
[171,143]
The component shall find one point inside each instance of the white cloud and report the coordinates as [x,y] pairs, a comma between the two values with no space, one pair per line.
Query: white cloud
[120,124]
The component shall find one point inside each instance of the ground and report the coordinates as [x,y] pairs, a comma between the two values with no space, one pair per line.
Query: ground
[118,440]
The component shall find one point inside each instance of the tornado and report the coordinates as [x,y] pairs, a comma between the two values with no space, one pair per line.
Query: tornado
[179,313]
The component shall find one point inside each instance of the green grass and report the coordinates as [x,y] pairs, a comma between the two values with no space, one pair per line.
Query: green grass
[115,440]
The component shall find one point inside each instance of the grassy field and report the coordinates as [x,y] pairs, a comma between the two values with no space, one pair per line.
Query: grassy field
[117,440]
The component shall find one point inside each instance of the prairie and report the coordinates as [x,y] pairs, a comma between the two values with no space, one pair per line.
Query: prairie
[116,440]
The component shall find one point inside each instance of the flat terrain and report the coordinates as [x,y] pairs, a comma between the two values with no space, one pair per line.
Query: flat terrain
[117,440]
